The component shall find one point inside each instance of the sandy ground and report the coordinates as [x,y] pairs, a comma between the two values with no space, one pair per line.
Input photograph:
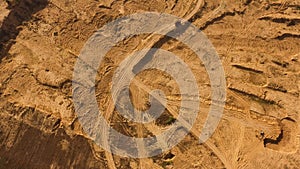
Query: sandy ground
[258,42]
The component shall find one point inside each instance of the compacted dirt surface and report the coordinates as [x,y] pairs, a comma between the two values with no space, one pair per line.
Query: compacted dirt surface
[258,42]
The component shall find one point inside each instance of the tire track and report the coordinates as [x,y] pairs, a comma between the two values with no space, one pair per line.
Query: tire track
[155,43]
[193,131]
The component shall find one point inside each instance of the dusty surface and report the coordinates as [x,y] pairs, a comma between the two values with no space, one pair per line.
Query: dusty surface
[257,41]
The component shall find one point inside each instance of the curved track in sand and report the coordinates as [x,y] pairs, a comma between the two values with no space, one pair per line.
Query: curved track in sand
[150,42]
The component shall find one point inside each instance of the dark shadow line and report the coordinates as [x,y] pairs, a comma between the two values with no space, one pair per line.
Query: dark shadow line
[180,29]
[272,141]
